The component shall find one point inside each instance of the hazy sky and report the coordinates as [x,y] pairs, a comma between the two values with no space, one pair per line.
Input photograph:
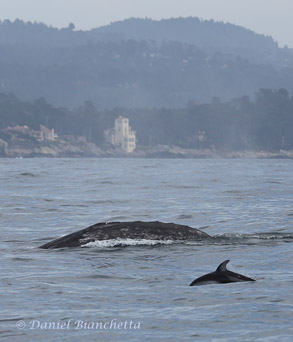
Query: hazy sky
[270,17]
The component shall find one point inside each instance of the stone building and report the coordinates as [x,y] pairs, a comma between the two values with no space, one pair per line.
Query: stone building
[122,135]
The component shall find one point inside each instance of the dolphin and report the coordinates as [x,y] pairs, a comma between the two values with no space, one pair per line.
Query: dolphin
[127,230]
[220,276]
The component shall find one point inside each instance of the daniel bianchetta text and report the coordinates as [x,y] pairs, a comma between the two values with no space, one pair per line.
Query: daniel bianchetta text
[72,324]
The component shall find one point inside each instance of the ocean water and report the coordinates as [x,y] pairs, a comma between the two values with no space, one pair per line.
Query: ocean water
[138,290]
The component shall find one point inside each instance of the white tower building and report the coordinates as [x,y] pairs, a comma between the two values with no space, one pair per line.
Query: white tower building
[123,135]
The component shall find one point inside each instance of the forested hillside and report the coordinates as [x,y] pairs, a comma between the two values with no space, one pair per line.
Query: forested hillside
[139,63]
[264,123]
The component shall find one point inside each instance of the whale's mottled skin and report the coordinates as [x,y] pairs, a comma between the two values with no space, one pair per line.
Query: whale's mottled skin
[220,276]
[127,230]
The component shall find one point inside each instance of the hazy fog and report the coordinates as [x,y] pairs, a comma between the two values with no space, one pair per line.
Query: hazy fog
[270,17]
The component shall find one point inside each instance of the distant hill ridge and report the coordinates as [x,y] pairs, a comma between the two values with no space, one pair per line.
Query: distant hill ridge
[206,34]
[190,30]
[139,62]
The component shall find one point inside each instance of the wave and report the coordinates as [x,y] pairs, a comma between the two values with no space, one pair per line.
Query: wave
[184,216]
[28,174]
[127,242]
[251,239]
[258,236]
[221,239]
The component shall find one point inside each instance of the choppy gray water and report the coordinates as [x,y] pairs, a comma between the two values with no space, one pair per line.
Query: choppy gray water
[140,292]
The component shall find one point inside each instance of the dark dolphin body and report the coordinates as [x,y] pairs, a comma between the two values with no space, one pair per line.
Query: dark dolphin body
[220,276]
[127,230]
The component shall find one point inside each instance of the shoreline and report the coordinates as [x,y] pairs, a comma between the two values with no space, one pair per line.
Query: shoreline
[62,149]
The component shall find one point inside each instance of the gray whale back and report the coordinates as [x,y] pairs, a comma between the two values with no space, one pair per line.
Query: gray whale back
[127,230]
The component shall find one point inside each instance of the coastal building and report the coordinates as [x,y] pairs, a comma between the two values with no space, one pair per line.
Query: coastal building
[47,134]
[18,129]
[44,134]
[201,136]
[122,135]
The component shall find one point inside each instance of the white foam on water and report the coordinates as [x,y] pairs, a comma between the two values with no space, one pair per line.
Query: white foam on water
[127,242]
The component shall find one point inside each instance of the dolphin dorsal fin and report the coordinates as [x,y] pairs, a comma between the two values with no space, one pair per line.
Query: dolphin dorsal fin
[222,266]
